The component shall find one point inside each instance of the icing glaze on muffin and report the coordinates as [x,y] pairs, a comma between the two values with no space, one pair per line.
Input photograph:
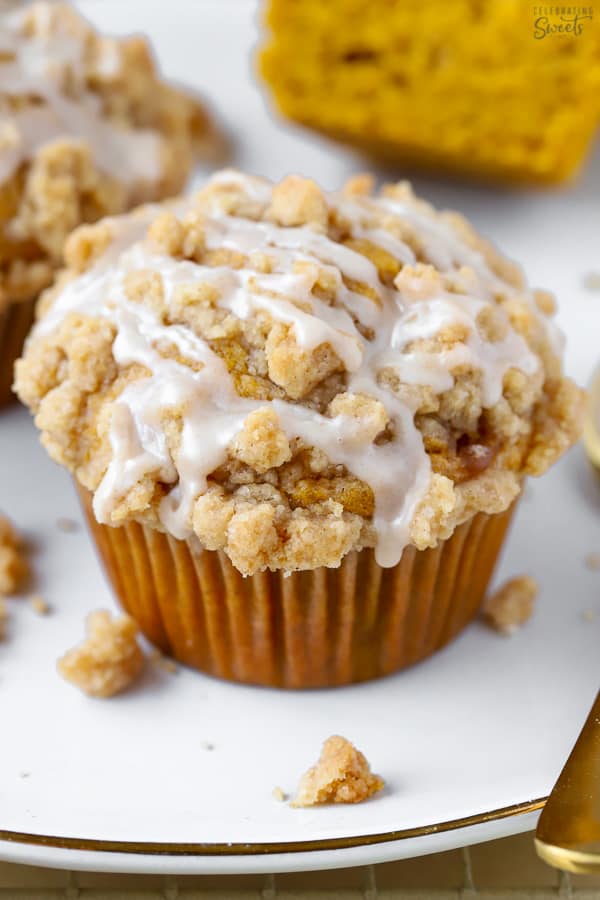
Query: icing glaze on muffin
[288,374]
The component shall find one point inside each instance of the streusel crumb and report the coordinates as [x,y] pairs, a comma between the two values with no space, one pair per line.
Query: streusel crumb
[3,618]
[163,662]
[39,605]
[67,526]
[14,568]
[592,561]
[108,660]
[294,374]
[341,775]
[512,604]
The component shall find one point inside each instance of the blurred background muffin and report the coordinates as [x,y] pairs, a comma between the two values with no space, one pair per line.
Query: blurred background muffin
[497,90]
[87,128]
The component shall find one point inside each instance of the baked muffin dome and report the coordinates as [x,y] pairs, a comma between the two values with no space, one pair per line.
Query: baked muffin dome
[87,128]
[288,374]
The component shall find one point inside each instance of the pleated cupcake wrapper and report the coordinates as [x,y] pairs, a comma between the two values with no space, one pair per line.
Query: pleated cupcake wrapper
[15,321]
[317,628]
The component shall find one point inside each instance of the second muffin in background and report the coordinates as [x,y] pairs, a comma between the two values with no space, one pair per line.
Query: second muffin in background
[87,128]
[336,395]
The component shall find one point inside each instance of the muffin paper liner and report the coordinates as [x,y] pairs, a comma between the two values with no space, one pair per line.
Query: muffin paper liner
[15,322]
[309,629]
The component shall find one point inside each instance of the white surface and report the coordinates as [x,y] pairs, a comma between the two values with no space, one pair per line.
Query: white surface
[485,724]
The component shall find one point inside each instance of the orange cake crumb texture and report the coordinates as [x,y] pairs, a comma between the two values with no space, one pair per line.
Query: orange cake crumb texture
[341,775]
[108,660]
[463,86]
[512,604]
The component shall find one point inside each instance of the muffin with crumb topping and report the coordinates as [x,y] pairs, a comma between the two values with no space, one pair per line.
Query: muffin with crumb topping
[299,421]
[87,129]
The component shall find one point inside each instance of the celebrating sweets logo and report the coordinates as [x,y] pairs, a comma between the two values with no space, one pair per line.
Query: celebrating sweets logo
[560,20]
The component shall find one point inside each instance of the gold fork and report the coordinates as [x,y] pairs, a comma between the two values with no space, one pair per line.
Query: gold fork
[568,832]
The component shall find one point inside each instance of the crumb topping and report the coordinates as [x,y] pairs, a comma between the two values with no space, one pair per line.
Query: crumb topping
[14,568]
[39,605]
[341,775]
[592,561]
[67,526]
[512,604]
[87,129]
[288,374]
[108,660]
[3,618]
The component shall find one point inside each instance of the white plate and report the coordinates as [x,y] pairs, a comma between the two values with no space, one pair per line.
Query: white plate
[474,735]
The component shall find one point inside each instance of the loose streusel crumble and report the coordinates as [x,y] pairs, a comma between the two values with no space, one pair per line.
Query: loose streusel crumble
[40,606]
[87,128]
[3,618]
[163,662]
[14,568]
[512,604]
[591,281]
[341,775]
[592,561]
[108,660]
[67,526]
[294,374]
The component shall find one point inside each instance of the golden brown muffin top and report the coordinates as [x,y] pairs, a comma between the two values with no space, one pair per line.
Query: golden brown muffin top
[288,374]
[87,128]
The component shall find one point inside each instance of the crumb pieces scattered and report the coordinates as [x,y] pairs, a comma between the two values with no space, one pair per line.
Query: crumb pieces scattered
[591,281]
[341,775]
[163,662]
[14,568]
[512,604]
[279,794]
[24,774]
[69,526]
[39,605]
[3,618]
[108,660]
[592,561]
[207,745]
[589,615]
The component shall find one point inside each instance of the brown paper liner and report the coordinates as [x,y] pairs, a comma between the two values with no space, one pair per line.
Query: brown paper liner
[15,322]
[317,628]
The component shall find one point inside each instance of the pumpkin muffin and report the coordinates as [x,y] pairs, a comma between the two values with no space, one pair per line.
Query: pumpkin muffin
[299,420]
[87,129]
[502,91]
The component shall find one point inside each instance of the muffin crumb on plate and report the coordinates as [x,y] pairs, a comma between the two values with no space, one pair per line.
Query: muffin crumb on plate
[108,660]
[3,618]
[40,606]
[512,604]
[14,568]
[68,526]
[164,662]
[592,561]
[341,775]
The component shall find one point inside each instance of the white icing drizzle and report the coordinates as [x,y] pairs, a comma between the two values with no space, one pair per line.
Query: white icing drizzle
[397,471]
[35,66]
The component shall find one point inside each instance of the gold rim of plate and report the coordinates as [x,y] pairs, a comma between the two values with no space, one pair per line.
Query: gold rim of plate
[151,848]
